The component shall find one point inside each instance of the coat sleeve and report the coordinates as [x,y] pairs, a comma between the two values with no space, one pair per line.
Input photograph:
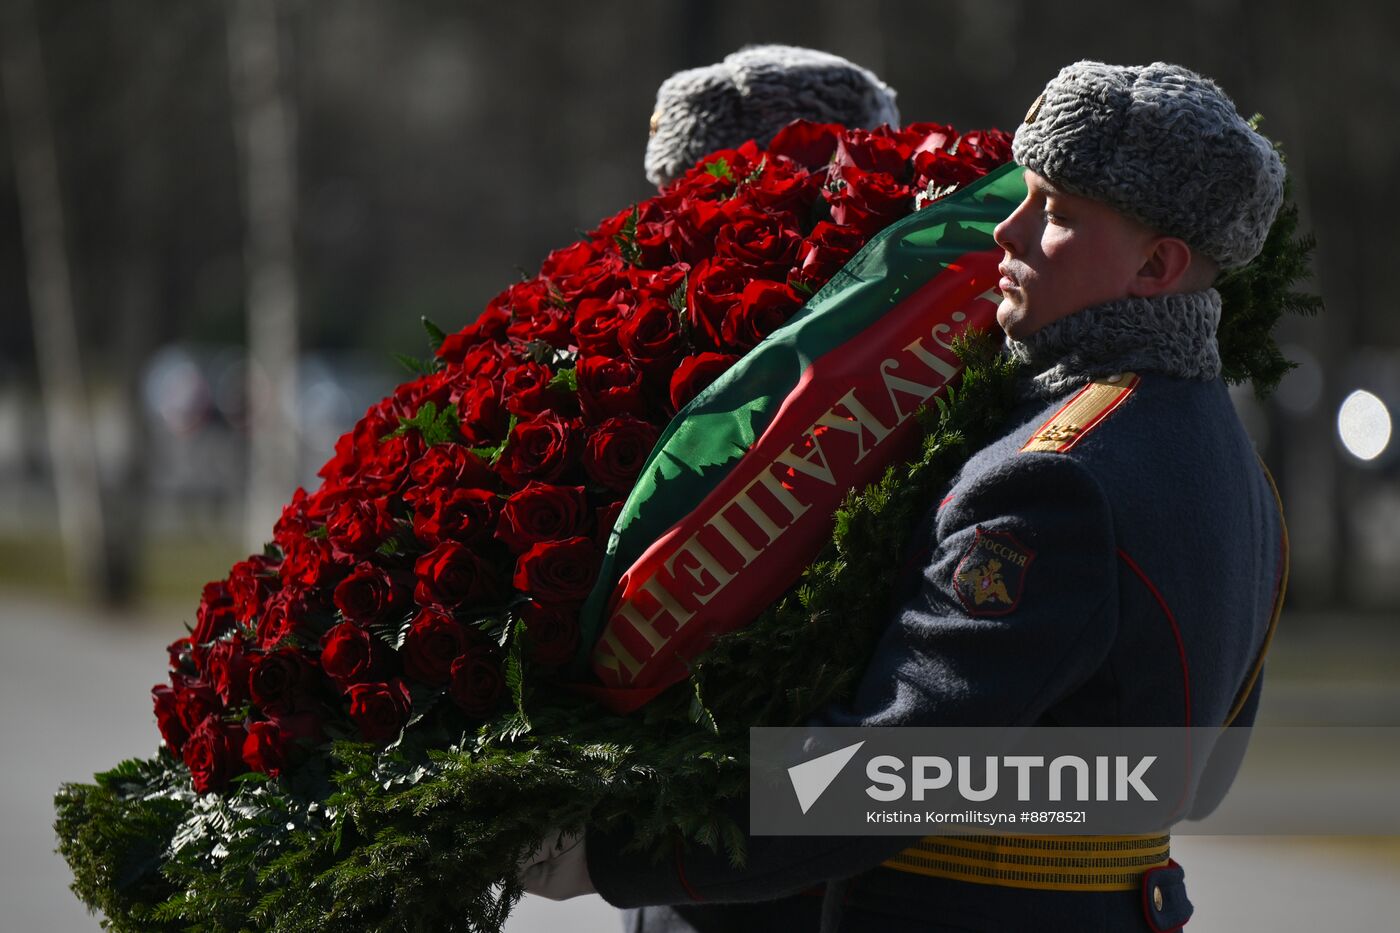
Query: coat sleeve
[1010,604]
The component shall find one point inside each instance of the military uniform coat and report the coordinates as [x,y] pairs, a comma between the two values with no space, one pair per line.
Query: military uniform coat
[1120,572]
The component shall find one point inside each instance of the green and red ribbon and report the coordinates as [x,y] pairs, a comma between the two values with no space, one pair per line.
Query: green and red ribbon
[738,495]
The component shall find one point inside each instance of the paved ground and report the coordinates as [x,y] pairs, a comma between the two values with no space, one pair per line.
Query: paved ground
[74,696]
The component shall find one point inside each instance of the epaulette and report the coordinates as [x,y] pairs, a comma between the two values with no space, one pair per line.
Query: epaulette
[1082,413]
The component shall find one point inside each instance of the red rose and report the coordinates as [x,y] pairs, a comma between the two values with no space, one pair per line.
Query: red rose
[877,153]
[608,387]
[264,749]
[827,248]
[526,389]
[288,613]
[552,632]
[445,466]
[870,200]
[541,512]
[309,563]
[601,277]
[559,571]
[213,754]
[597,320]
[652,336]
[368,594]
[228,665]
[489,359]
[714,287]
[616,450]
[663,283]
[920,137]
[279,680]
[987,149]
[792,196]
[489,325]
[542,321]
[274,745]
[810,145]
[762,309]
[249,583]
[358,526]
[451,574]
[386,470]
[653,238]
[481,413]
[351,655]
[543,448]
[279,743]
[215,615]
[940,169]
[569,260]
[695,373]
[195,701]
[764,243]
[172,730]
[380,711]
[180,652]
[692,227]
[434,640]
[465,515]
[477,681]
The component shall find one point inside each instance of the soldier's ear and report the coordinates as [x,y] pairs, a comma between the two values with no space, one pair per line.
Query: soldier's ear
[1164,268]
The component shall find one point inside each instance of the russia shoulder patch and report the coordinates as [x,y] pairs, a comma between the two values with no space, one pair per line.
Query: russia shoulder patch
[991,576]
[1082,413]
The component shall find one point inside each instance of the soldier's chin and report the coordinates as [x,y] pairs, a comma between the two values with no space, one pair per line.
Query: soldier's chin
[1010,317]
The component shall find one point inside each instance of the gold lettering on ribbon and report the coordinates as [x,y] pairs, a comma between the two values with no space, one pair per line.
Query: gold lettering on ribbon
[747,552]
[710,575]
[861,422]
[783,494]
[704,562]
[646,625]
[907,386]
[944,369]
[616,657]
[803,463]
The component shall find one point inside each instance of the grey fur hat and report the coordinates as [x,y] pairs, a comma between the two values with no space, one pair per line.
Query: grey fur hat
[754,93]
[1161,144]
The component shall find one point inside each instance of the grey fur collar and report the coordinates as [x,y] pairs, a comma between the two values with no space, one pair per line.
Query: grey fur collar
[1170,334]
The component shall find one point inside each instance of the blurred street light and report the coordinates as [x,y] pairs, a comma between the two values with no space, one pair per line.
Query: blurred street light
[1364,425]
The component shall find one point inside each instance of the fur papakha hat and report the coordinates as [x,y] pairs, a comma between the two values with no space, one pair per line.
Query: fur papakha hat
[754,93]
[1161,144]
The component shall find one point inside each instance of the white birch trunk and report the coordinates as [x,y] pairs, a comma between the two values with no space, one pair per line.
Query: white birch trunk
[264,124]
[67,410]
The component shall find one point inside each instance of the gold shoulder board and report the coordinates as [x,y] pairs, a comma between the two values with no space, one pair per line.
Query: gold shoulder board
[1082,413]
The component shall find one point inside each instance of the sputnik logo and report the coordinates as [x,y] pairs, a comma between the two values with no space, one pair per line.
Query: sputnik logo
[811,778]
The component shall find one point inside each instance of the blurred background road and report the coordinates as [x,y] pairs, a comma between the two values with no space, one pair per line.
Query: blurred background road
[173,362]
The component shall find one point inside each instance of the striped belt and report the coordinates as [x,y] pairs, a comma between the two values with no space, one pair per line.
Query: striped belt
[1046,863]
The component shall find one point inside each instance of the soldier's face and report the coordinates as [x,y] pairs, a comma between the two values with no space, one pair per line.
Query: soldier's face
[1064,253]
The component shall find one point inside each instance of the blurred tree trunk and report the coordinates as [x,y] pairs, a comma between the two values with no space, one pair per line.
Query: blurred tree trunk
[265,127]
[67,411]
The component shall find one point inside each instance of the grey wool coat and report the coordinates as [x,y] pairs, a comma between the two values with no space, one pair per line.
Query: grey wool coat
[1138,561]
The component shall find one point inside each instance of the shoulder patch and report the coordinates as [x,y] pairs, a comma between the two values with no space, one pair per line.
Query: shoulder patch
[1082,413]
[991,576]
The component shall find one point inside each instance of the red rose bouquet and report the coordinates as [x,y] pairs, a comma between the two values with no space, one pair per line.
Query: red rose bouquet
[477,499]
[372,720]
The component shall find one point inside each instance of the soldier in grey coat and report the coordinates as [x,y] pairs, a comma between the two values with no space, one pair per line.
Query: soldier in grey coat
[1115,557]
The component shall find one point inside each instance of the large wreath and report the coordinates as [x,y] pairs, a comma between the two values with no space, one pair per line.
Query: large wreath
[370,722]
